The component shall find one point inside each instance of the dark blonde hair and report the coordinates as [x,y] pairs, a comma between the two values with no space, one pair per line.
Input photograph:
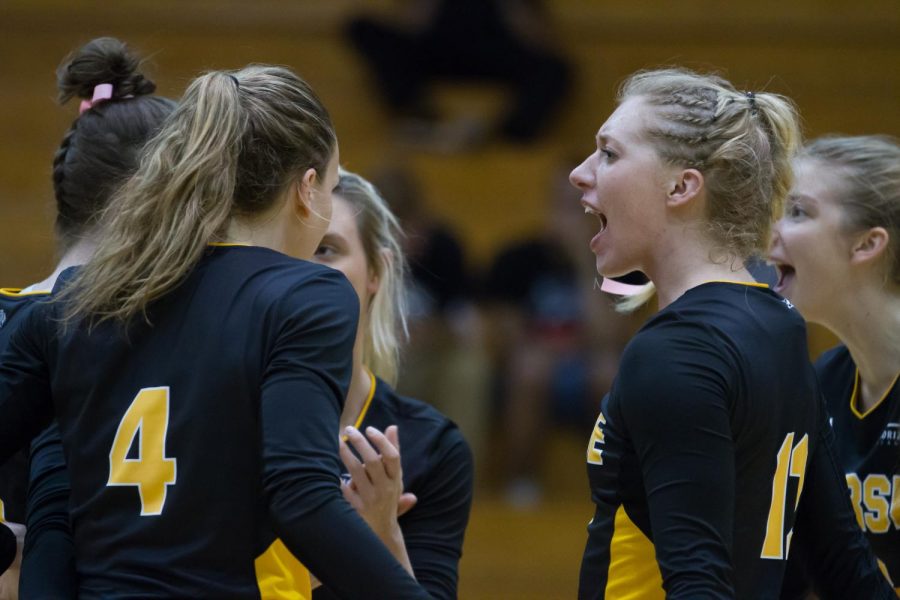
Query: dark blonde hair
[235,142]
[742,143]
[870,190]
[380,234]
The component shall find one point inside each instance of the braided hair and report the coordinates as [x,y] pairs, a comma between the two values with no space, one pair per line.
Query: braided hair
[101,148]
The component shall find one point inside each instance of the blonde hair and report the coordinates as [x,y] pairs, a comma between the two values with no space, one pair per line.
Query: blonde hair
[870,192]
[234,143]
[742,143]
[380,234]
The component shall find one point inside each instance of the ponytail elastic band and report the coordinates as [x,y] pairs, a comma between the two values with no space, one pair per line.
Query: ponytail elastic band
[751,97]
[102,93]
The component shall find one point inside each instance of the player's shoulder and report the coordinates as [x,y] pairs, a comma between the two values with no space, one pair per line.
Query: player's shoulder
[277,279]
[416,419]
[387,403]
[16,303]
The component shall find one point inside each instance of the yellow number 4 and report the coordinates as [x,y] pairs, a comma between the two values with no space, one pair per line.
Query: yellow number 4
[151,471]
[791,462]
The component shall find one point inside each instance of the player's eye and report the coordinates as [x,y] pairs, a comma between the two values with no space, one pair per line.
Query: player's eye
[795,211]
[325,251]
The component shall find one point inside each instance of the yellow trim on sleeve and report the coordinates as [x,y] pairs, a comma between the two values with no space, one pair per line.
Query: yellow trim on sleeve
[855,399]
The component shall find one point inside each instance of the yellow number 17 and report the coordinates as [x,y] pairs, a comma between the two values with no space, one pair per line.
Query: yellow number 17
[791,462]
[151,472]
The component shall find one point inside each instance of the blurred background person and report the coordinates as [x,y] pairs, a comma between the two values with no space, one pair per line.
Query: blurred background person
[444,363]
[506,42]
[555,339]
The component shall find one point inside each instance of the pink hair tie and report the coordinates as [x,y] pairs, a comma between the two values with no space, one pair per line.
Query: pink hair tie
[102,93]
[611,286]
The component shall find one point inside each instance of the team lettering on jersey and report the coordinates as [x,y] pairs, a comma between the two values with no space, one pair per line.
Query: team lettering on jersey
[891,434]
[595,445]
[876,501]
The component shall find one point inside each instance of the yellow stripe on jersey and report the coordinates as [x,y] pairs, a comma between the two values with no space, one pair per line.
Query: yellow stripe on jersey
[17,292]
[633,570]
[280,576]
[747,283]
[2,512]
[855,399]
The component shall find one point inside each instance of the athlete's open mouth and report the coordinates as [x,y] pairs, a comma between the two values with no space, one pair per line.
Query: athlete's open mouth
[600,217]
[785,275]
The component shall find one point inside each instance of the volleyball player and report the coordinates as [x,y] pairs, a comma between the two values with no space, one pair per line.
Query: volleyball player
[837,250]
[117,115]
[436,465]
[712,427]
[197,369]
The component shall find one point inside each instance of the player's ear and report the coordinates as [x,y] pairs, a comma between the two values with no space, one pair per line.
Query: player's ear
[684,187]
[869,246]
[302,193]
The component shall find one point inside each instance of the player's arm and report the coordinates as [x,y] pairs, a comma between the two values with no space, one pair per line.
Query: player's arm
[26,405]
[827,538]
[675,389]
[48,564]
[304,386]
[434,528]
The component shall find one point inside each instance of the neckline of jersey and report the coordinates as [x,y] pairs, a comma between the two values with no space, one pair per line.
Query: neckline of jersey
[365,408]
[854,397]
[746,283]
[18,293]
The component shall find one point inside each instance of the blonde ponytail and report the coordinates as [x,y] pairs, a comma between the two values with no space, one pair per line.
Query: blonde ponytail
[197,173]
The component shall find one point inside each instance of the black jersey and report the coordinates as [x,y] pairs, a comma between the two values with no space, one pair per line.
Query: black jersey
[194,438]
[868,445]
[700,452]
[438,469]
[14,474]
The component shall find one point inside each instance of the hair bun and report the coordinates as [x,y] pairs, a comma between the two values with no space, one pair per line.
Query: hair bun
[102,60]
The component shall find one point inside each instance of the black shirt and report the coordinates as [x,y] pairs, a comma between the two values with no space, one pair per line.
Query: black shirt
[711,428]
[194,441]
[438,469]
[868,447]
[14,474]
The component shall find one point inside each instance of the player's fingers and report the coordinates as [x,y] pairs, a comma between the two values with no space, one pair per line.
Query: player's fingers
[405,503]
[392,433]
[354,466]
[361,444]
[372,462]
[351,495]
[390,456]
